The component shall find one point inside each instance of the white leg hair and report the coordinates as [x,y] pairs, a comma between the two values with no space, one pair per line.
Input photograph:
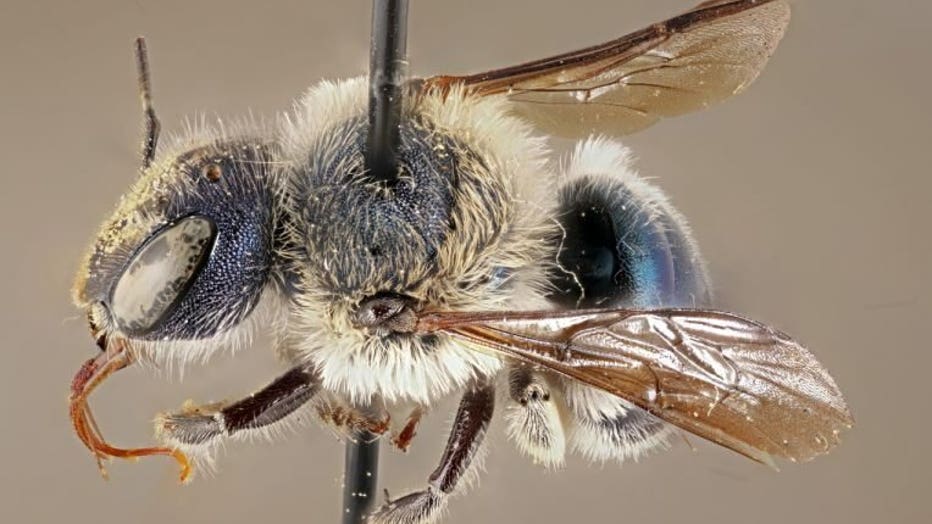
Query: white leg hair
[606,427]
[199,430]
[532,419]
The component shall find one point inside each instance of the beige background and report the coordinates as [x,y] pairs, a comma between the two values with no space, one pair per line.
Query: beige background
[810,195]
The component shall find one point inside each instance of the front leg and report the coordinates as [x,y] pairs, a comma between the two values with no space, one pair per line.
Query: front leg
[469,427]
[197,429]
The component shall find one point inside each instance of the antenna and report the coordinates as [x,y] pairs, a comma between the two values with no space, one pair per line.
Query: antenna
[151,122]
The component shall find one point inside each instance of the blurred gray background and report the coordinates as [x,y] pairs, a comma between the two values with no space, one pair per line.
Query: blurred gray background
[810,195]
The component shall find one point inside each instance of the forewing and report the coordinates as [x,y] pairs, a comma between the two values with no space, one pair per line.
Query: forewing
[728,379]
[682,64]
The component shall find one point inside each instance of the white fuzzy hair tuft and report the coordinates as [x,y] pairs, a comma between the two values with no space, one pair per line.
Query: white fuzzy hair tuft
[358,366]
[537,431]
[595,442]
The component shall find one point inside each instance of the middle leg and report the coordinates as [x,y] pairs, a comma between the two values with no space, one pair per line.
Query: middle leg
[532,419]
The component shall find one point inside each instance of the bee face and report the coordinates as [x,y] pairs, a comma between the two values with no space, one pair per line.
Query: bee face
[189,250]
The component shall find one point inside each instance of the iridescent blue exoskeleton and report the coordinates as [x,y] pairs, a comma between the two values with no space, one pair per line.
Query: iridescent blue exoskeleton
[578,292]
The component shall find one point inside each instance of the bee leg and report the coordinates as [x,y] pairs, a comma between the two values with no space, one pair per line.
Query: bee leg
[469,427]
[347,420]
[196,429]
[403,439]
[607,427]
[533,421]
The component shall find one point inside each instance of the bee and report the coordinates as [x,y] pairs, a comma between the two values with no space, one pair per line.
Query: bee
[575,298]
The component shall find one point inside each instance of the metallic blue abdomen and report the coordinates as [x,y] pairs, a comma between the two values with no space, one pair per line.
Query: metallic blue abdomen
[623,245]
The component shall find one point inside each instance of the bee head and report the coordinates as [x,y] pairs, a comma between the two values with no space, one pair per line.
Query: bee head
[188,251]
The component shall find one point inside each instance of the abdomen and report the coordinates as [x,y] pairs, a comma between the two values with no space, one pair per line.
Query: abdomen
[620,244]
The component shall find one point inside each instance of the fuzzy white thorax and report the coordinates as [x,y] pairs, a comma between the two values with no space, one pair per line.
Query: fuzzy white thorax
[358,366]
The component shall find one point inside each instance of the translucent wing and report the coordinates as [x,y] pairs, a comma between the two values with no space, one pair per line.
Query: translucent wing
[682,64]
[725,378]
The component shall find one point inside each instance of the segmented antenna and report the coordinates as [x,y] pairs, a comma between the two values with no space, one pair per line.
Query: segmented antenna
[152,126]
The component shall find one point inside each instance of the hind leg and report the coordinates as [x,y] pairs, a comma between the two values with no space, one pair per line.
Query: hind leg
[469,427]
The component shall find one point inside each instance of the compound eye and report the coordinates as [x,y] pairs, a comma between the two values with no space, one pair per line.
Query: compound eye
[160,273]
